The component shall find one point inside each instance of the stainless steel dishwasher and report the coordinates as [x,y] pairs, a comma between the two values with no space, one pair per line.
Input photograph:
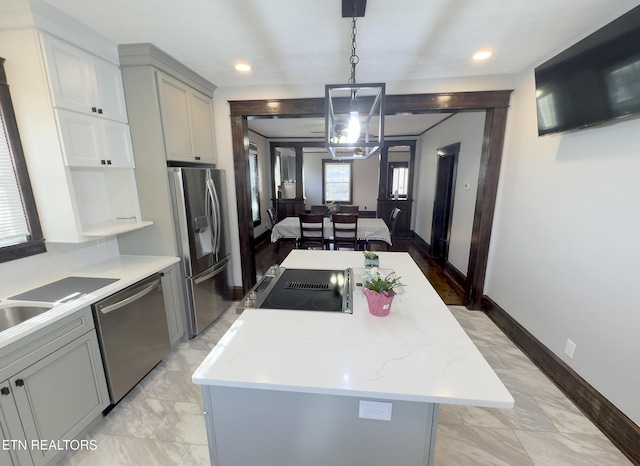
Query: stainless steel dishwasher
[133,334]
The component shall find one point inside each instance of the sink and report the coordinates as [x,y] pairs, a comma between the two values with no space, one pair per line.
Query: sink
[12,314]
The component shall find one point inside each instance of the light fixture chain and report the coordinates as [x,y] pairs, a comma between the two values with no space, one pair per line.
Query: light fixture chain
[354,59]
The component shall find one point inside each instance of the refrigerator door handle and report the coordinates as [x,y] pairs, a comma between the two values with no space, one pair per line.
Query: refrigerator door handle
[215,211]
[218,268]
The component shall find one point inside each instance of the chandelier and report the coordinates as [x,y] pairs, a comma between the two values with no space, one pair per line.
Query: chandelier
[354,113]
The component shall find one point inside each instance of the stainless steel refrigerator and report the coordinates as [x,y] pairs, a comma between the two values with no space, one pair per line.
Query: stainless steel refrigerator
[200,219]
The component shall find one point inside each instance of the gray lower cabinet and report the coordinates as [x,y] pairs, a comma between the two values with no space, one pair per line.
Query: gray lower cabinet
[55,396]
[11,433]
[173,302]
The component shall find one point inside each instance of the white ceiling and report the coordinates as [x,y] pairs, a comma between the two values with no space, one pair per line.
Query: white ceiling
[294,42]
[394,125]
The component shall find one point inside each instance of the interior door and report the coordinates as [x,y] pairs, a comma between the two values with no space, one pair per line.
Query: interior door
[443,203]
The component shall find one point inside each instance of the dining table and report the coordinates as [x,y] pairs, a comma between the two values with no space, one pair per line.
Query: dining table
[369,229]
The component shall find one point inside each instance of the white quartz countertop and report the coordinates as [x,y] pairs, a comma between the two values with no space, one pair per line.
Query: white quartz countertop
[418,352]
[127,269]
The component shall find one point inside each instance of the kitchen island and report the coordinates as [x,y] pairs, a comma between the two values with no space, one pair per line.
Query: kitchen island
[293,387]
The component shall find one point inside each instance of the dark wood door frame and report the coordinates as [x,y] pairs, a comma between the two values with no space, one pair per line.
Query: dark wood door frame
[444,199]
[495,103]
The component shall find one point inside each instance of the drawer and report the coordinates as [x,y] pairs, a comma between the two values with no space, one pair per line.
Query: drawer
[39,344]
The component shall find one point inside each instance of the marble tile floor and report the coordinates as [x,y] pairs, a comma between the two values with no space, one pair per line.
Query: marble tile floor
[160,422]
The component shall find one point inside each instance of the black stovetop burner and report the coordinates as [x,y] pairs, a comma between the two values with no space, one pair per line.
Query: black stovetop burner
[308,290]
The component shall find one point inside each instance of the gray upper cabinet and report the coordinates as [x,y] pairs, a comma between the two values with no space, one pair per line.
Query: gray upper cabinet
[187,121]
[169,100]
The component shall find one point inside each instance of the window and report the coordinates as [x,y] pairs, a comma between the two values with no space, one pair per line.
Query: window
[337,181]
[399,179]
[20,234]
[254,180]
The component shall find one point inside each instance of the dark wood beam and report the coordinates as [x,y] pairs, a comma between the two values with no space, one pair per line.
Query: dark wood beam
[495,103]
[490,159]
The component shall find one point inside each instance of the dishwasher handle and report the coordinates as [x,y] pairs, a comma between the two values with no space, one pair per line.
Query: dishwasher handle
[131,299]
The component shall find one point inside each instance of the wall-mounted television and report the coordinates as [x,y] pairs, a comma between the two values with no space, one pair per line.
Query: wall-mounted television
[593,82]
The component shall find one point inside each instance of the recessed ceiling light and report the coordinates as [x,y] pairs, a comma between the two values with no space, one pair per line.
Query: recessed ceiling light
[244,67]
[482,55]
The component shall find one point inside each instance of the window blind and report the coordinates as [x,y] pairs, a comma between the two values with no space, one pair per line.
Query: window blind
[14,228]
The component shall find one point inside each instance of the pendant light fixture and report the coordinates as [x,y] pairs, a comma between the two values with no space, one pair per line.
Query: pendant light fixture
[354,113]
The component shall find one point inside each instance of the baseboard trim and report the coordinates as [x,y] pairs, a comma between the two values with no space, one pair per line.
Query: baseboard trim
[455,275]
[621,430]
[422,244]
[449,269]
[264,236]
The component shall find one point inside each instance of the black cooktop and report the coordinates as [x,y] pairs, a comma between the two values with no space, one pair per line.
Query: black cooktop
[307,290]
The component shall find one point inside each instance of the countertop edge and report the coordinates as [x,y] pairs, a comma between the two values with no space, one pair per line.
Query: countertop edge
[129,269]
[497,402]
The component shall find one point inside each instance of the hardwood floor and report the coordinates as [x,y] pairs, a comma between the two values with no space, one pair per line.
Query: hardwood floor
[450,293]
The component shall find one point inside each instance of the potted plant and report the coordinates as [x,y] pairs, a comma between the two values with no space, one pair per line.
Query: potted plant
[379,292]
[371,259]
[332,207]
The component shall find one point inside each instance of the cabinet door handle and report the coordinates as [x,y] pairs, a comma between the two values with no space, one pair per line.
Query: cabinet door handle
[5,390]
[197,157]
[19,383]
[108,162]
[100,111]
[103,162]
[94,109]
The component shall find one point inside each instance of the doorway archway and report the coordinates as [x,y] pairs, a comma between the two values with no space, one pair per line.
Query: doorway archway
[495,103]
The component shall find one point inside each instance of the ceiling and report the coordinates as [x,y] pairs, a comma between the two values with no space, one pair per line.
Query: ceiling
[394,126]
[307,42]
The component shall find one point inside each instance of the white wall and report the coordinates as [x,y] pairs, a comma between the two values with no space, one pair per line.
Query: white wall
[467,129]
[564,251]
[59,261]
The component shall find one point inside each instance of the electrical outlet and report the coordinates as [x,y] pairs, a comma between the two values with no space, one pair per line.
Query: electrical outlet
[570,348]
[375,410]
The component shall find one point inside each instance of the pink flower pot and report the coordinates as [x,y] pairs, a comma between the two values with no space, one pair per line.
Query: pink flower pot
[379,303]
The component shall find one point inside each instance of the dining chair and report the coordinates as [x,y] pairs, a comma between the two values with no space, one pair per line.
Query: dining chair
[345,231]
[348,209]
[272,217]
[393,222]
[320,209]
[311,231]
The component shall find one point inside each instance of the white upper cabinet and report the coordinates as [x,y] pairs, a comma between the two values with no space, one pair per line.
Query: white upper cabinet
[80,161]
[94,142]
[187,121]
[83,82]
